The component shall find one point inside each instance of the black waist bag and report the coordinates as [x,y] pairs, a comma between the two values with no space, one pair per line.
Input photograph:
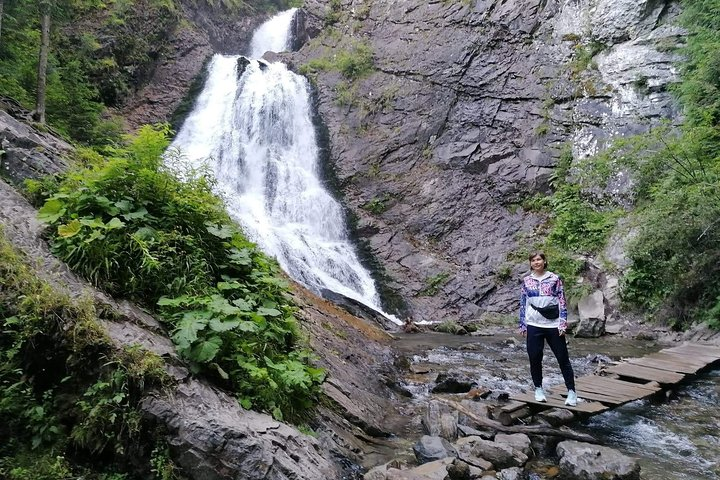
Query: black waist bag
[550,312]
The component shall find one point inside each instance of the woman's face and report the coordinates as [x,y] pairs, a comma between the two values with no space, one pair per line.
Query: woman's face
[537,264]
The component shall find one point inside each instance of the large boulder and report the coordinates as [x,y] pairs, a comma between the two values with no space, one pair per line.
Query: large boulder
[500,455]
[592,315]
[213,438]
[429,449]
[440,421]
[583,461]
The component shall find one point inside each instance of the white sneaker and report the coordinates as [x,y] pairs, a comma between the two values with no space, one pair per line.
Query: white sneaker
[540,395]
[571,399]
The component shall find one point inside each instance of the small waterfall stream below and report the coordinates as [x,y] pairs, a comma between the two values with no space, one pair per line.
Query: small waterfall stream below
[252,124]
[674,439]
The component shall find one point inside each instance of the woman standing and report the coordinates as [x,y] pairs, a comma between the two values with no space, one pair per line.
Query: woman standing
[543,318]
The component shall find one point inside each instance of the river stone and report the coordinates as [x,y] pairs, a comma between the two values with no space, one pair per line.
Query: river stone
[514,473]
[499,454]
[453,382]
[429,449]
[458,470]
[440,421]
[518,441]
[436,470]
[472,432]
[584,461]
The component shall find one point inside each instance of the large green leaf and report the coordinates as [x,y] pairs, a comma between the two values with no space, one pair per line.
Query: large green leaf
[205,350]
[173,302]
[221,231]
[218,325]
[219,304]
[70,229]
[269,312]
[114,223]
[51,211]
[187,329]
[140,213]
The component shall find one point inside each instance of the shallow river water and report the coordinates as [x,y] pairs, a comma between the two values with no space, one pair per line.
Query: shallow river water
[673,439]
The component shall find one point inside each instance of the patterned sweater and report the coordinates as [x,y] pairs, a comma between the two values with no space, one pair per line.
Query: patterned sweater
[542,292]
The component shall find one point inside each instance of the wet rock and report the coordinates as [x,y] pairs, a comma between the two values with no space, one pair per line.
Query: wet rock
[544,445]
[453,383]
[440,421]
[457,135]
[466,431]
[514,473]
[358,309]
[594,462]
[26,151]
[242,64]
[429,449]
[458,470]
[517,441]
[499,454]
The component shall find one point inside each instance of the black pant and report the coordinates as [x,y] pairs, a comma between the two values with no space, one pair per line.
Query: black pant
[536,337]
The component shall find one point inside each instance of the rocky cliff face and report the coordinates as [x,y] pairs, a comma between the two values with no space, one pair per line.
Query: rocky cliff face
[465,114]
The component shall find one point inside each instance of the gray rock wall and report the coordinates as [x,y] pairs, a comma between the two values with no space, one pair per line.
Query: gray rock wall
[465,115]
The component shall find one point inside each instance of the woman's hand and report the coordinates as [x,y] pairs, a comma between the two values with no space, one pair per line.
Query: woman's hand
[522,332]
[561,332]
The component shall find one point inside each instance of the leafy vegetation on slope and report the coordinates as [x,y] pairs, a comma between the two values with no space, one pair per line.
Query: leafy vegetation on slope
[130,225]
[68,400]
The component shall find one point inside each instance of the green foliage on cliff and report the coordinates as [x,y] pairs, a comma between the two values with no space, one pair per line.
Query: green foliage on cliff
[99,53]
[675,256]
[138,229]
[675,260]
[68,399]
[353,63]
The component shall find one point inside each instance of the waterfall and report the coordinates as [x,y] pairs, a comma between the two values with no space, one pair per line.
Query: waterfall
[257,135]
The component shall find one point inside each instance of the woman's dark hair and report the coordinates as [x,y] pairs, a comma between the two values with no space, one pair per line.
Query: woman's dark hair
[538,254]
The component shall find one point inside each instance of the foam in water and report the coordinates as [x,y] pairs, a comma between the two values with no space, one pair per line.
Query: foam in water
[257,135]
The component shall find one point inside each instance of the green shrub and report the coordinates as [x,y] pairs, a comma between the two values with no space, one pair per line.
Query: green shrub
[129,224]
[353,64]
[62,387]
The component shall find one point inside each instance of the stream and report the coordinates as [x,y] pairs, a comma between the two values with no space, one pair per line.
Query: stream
[673,439]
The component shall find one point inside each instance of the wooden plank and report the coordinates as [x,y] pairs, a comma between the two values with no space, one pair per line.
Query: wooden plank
[617,385]
[594,392]
[645,373]
[559,402]
[681,358]
[664,365]
[691,350]
[696,348]
[512,406]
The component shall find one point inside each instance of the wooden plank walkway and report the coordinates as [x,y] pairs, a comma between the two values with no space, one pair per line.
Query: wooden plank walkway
[624,382]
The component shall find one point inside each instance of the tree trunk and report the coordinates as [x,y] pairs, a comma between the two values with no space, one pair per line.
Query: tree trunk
[42,63]
[2,2]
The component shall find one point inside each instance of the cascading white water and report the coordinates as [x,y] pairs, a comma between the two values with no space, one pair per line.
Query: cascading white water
[256,132]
